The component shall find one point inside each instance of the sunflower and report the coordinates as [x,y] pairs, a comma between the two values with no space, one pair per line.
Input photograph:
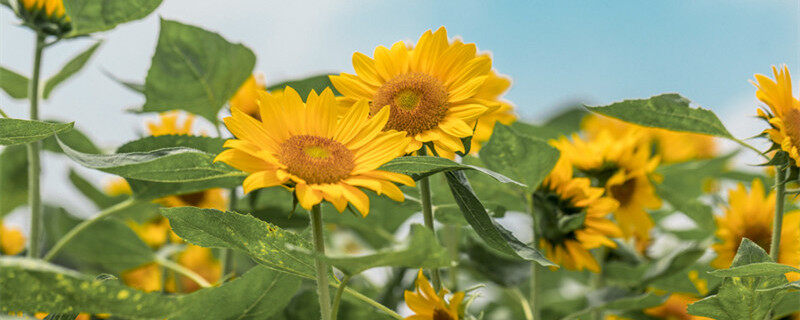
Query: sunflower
[47,16]
[246,97]
[674,308]
[784,110]
[12,241]
[318,149]
[623,166]
[503,113]
[436,89]
[749,215]
[428,305]
[562,195]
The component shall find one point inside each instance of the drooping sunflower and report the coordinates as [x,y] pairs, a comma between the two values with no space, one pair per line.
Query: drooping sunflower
[623,166]
[49,16]
[436,89]
[427,304]
[12,241]
[320,150]
[749,215]
[246,98]
[784,110]
[562,196]
[671,146]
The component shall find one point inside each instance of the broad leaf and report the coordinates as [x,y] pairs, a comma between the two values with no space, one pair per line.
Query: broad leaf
[111,245]
[88,16]
[669,111]
[419,167]
[758,269]
[674,262]
[497,237]
[74,138]
[14,84]
[304,86]
[194,70]
[13,178]
[18,131]
[518,156]
[702,214]
[99,198]
[208,144]
[69,69]
[617,299]
[499,269]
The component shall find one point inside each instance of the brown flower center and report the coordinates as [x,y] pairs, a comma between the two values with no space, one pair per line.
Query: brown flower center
[624,192]
[418,102]
[760,234]
[193,199]
[315,159]
[439,314]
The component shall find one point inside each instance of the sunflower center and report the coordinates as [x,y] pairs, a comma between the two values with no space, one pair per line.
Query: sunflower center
[418,102]
[760,234]
[624,192]
[439,314]
[316,160]
[193,199]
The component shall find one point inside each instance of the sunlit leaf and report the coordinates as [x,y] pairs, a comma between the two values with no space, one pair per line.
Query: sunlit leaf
[518,156]
[18,131]
[88,16]
[419,167]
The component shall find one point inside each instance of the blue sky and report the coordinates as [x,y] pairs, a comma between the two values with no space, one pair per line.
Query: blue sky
[556,51]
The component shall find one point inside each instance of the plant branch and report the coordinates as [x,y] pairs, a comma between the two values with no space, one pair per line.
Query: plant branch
[337,298]
[33,149]
[322,267]
[427,214]
[777,222]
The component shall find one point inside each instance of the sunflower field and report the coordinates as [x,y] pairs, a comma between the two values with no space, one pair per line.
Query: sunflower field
[396,189]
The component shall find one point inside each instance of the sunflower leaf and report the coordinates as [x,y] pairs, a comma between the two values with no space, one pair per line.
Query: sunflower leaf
[617,299]
[194,70]
[758,269]
[18,131]
[88,16]
[69,69]
[14,84]
[518,156]
[419,167]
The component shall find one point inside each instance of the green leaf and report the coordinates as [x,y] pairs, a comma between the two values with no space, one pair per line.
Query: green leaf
[700,213]
[99,198]
[208,144]
[13,178]
[669,111]
[758,269]
[572,222]
[421,251]
[378,228]
[788,305]
[264,242]
[73,138]
[194,70]
[617,299]
[18,131]
[61,316]
[497,237]
[133,86]
[14,84]
[419,167]
[520,157]
[497,268]
[88,16]
[170,165]
[111,245]
[69,69]
[303,87]
[676,261]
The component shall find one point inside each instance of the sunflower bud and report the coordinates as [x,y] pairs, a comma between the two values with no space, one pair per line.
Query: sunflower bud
[47,16]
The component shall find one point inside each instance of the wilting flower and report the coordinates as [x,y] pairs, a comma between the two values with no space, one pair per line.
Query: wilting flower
[246,98]
[319,149]
[436,89]
[622,165]
[562,196]
[671,146]
[429,305]
[49,16]
[750,215]
[12,241]
[784,110]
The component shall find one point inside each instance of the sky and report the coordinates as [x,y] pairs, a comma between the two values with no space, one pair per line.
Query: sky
[556,52]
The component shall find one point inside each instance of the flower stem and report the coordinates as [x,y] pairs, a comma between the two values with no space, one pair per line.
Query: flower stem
[526,307]
[372,303]
[427,214]
[452,235]
[33,148]
[323,289]
[337,298]
[532,302]
[777,223]
[186,272]
[598,281]
[226,254]
[85,224]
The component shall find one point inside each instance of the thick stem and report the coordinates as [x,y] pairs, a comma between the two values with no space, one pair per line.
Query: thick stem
[85,224]
[534,290]
[226,254]
[427,214]
[777,222]
[337,297]
[34,165]
[186,272]
[323,289]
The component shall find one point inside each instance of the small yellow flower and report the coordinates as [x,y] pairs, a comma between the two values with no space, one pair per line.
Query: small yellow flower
[48,16]
[570,195]
[201,261]
[623,166]
[428,305]
[436,89]
[169,123]
[321,150]
[750,215]
[12,241]
[784,110]
[246,98]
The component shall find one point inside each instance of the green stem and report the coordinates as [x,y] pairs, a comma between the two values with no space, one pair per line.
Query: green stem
[748,146]
[598,281]
[337,298]
[777,223]
[226,254]
[372,303]
[452,235]
[526,307]
[85,224]
[3,114]
[34,165]
[427,214]
[186,272]
[534,290]
[322,268]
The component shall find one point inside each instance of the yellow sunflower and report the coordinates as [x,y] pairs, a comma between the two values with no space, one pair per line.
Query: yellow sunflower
[675,308]
[503,113]
[436,89]
[246,98]
[671,146]
[12,241]
[562,195]
[623,166]
[428,305]
[749,215]
[319,149]
[784,110]
[201,261]
[50,8]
